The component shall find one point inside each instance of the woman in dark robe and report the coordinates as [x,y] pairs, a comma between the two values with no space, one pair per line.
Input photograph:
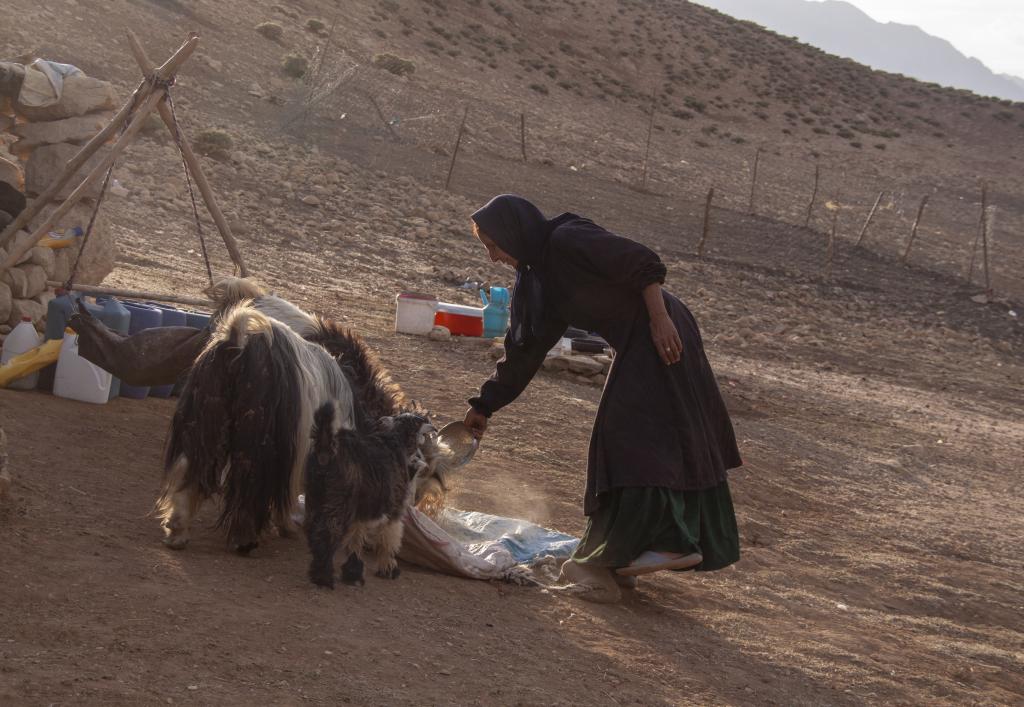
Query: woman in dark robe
[656,497]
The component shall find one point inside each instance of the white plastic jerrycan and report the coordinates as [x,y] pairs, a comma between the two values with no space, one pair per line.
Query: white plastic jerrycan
[23,338]
[76,378]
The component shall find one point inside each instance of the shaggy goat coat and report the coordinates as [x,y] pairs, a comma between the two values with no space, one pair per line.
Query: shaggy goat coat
[357,491]
[242,423]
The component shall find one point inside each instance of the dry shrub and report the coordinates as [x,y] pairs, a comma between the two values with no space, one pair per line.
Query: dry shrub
[295,65]
[270,30]
[394,64]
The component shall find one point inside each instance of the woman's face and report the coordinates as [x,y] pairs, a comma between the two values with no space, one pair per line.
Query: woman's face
[496,254]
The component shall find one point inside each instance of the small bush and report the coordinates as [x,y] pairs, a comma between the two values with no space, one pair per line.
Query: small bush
[394,64]
[295,65]
[315,25]
[213,143]
[270,30]
[856,144]
[880,146]
[539,88]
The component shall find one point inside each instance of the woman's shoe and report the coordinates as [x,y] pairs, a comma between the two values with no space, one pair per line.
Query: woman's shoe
[651,561]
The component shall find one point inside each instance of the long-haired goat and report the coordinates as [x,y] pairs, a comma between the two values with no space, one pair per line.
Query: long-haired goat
[242,426]
[251,397]
[358,490]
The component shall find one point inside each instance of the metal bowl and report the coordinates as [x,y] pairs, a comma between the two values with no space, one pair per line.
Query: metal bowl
[460,440]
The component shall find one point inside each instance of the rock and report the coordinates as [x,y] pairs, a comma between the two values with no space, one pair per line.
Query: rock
[26,281]
[605,361]
[21,308]
[76,130]
[5,329]
[6,302]
[585,365]
[556,363]
[599,380]
[61,265]
[44,258]
[310,200]
[44,298]
[101,253]
[11,174]
[980,299]
[497,351]
[45,164]
[16,244]
[440,333]
[82,94]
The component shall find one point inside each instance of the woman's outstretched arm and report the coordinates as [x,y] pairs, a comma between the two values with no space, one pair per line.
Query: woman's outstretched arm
[663,329]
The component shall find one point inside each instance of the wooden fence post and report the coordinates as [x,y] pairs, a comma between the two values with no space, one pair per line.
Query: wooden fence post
[913,231]
[814,194]
[981,229]
[867,222]
[650,131]
[522,135]
[830,254]
[989,218]
[753,179]
[455,151]
[707,224]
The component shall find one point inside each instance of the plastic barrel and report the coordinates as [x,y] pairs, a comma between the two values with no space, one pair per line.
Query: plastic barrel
[58,312]
[172,316]
[117,318]
[144,317]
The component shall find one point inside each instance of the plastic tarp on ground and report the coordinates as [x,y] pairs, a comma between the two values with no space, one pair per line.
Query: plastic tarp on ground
[482,546]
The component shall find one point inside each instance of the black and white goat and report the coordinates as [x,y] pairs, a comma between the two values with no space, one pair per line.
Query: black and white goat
[358,490]
[242,425]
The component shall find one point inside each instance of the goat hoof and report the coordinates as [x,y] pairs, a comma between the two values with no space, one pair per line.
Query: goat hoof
[245,548]
[176,542]
[389,573]
[353,581]
[327,582]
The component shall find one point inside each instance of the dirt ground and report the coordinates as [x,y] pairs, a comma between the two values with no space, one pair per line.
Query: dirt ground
[880,415]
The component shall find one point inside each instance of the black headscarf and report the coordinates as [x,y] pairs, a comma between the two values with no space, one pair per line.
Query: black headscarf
[520,229]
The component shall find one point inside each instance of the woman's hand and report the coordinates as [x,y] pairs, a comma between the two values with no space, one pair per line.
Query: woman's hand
[666,339]
[476,421]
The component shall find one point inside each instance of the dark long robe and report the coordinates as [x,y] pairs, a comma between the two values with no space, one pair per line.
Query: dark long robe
[657,425]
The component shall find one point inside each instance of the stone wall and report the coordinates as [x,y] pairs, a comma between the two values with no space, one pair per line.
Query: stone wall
[35,143]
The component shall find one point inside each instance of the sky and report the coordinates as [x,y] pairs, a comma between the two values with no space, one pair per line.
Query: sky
[989,30]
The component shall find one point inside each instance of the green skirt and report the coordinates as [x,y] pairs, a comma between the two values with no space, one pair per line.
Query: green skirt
[632,520]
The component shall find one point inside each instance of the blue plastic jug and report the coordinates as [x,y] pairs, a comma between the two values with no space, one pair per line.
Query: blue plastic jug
[58,312]
[496,311]
[117,318]
[172,316]
[144,316]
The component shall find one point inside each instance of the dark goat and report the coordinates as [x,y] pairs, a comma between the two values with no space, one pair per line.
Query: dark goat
[358,489]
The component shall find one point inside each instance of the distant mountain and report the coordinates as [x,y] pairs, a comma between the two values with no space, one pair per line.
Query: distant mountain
[842,29]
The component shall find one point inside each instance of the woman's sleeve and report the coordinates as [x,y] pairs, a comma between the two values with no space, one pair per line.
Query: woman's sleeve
[516,369]
[618,260]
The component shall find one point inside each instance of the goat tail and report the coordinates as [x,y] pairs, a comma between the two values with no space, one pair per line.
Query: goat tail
[240,323]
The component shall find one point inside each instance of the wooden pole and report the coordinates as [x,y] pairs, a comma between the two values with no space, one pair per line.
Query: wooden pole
[984,249]
[913,231]
[830,255]
[194,168]
[455,152]
[169,68]
[380,114]
[134,294]
[871,215]
[522,134]
[753,179]
[707,223]
[814,194]
[981,230]
[650,132]
[97,173]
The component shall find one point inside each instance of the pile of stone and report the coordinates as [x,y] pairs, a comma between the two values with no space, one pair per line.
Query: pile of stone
[587,369]
[35,144]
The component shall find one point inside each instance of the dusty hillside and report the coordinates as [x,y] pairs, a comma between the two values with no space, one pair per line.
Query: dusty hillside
[879,414]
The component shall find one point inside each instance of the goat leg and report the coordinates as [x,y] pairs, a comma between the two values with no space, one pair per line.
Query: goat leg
[352,571]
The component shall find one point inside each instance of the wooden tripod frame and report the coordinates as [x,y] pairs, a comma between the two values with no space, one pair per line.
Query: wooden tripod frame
[150,95]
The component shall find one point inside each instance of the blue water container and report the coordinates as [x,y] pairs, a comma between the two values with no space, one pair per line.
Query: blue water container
[58,313]
[144,317]
[117,318]
[496,311]
[172,316]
